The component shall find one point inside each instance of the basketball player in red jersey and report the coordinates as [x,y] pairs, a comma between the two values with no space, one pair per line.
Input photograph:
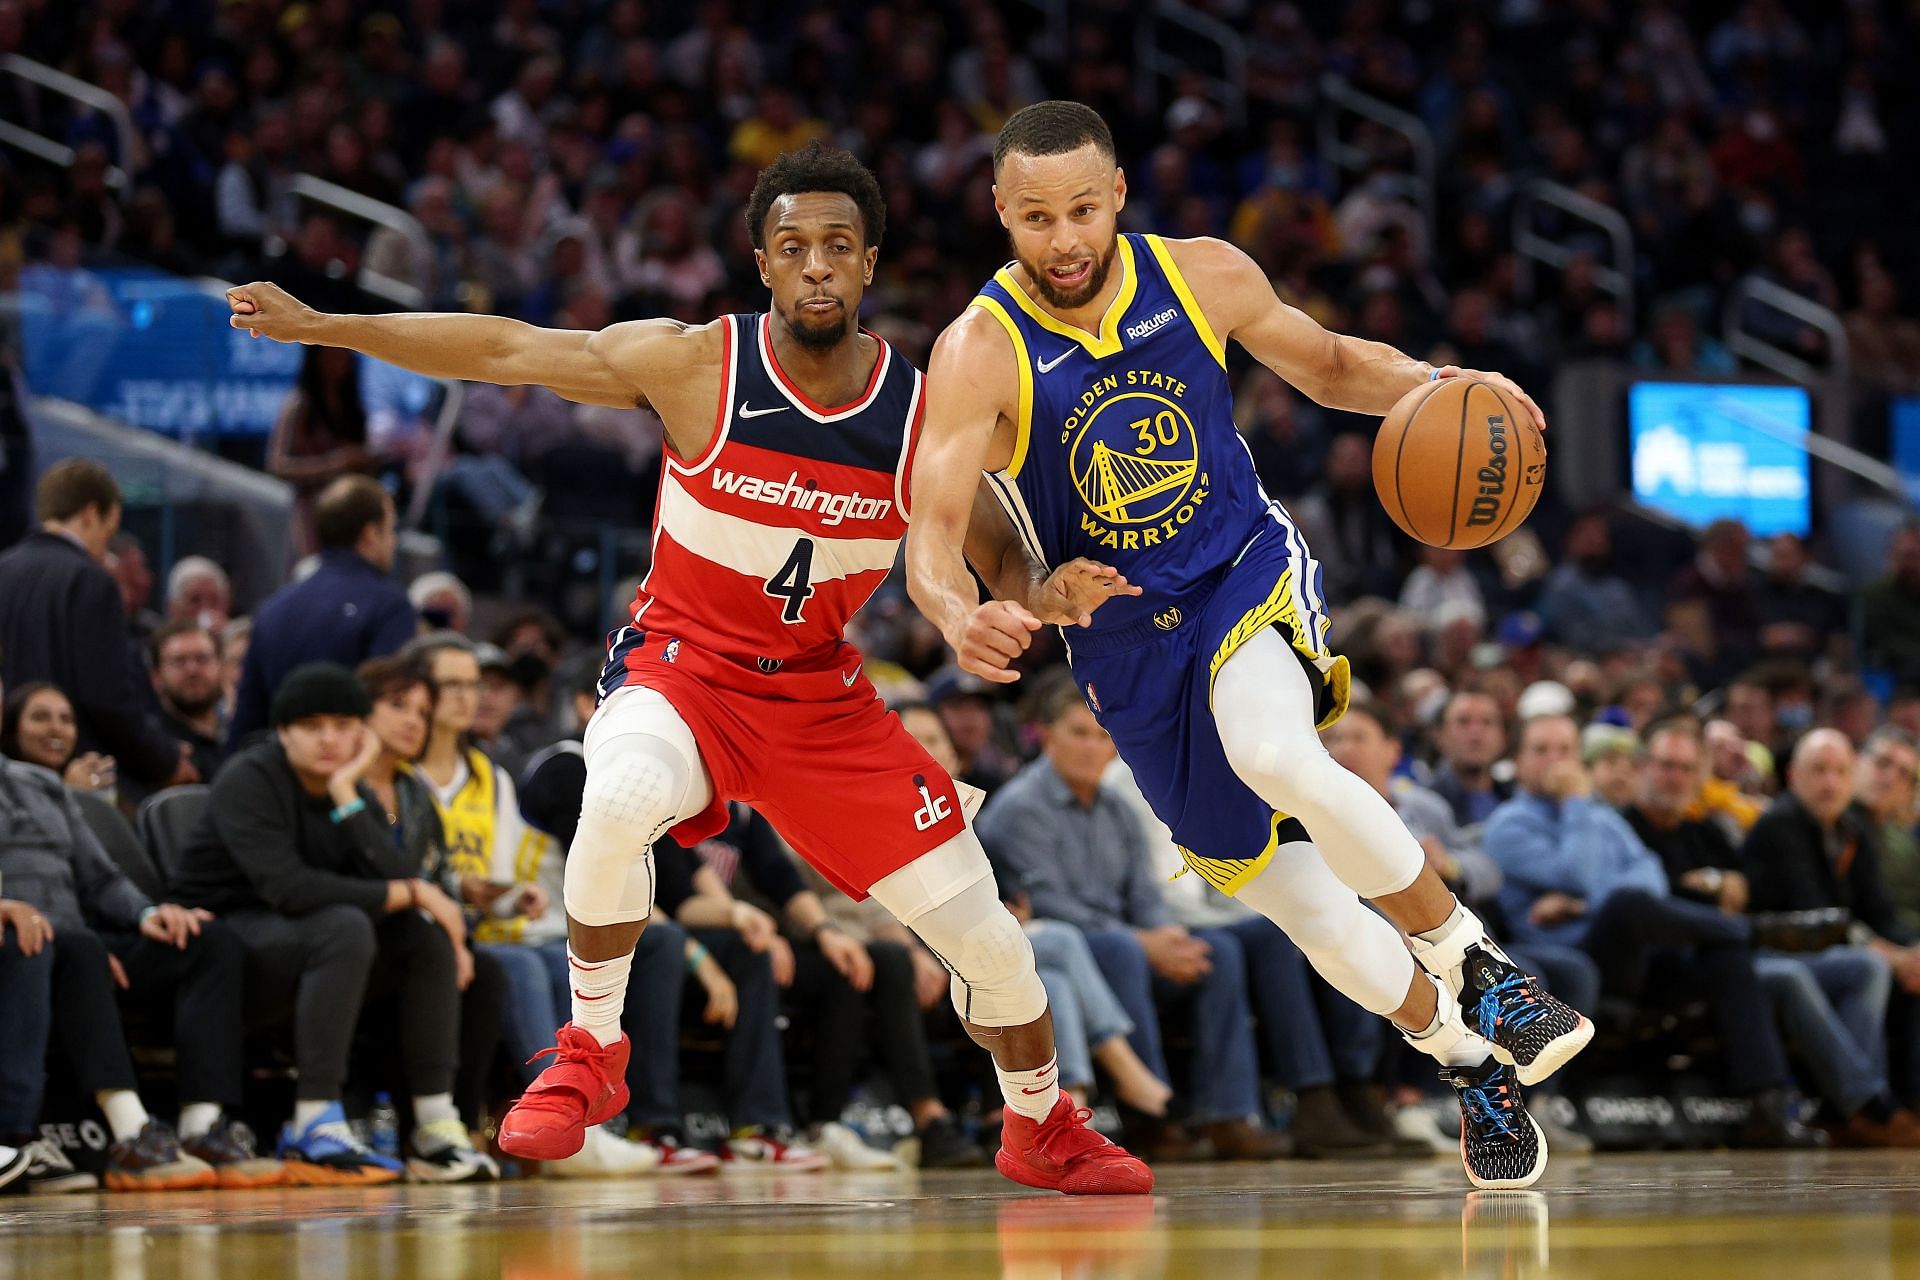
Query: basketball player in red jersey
[789,439]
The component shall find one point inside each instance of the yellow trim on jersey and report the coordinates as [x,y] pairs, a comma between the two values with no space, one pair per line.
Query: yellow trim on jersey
[1276,609]
[1229,875]
[1107,343]
[1022,361]
[1180,290]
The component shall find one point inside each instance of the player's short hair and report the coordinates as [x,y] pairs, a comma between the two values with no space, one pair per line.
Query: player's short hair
[345,508]
[1052,128]
[71,486]
[817,167]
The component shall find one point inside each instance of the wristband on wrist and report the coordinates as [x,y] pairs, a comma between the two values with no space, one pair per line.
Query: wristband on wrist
[347,810]
[696,956]
[147,912]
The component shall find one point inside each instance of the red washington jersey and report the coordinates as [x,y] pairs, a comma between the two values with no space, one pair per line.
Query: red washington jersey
[766,545]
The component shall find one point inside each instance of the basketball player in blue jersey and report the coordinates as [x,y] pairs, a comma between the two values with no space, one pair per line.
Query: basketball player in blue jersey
[1087,382]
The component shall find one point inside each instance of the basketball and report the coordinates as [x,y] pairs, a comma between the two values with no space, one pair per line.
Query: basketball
[1458,463]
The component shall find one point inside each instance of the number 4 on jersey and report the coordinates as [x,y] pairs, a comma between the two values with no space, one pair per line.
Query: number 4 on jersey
[794,582]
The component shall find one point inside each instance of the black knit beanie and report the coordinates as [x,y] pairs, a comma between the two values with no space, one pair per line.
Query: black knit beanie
[319,689]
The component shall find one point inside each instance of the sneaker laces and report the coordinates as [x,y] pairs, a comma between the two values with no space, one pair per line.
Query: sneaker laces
[574,1045]
[1487,1104]
[1062,1137]
[1525,1006]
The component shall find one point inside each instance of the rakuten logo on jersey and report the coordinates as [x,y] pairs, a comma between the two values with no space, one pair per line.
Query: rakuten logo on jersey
[833,507]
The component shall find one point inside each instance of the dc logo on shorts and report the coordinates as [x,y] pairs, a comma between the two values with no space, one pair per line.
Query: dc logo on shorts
[672,652]
[933,809]
[769,665]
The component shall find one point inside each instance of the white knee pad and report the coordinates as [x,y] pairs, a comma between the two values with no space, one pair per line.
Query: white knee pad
[1357,951]
[995,983]
[1264,709]
[637,787]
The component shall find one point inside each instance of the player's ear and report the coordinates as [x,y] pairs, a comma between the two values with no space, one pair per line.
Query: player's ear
[760,263]
[872,256]
[1000,207]
[1119,189]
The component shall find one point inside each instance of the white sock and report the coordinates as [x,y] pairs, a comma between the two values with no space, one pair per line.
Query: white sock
[1032,1093]
[432,1107]
[305,1112]
[125,1114]
[197,1118]
[1448,1039]
[599,993]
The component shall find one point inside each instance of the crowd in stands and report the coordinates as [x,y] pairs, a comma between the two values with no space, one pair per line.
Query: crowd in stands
[326,833]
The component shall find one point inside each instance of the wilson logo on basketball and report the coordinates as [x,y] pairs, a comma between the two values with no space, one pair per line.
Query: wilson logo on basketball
[1493,476]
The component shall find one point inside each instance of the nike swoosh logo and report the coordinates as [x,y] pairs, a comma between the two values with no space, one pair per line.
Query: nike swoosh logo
[1042,1089]
[1048,366]
[747,412]
[850,677]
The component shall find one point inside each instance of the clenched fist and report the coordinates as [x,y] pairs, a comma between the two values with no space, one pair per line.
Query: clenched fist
[265,310]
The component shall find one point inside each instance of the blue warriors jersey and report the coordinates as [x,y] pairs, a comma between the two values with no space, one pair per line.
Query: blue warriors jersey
[1126,450]
[1127,453]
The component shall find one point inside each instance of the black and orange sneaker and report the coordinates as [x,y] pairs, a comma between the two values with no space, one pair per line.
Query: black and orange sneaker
[327,1154]
[153,1161]
[1500,1144]
[1529,1030]
[229,1148]
[1062,1154]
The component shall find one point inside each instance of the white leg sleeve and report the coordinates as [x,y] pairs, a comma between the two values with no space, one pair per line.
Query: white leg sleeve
[1353,947]
[643,776]
[948,897]
[1263,703]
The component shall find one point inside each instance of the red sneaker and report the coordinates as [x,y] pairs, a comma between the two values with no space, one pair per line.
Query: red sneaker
[586,1085]
[1061,1154]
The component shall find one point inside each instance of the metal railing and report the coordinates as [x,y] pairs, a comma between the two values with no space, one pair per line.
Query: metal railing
[1152,62]
[454,399]
[1531,245]
[91,96]
[1757,291]
[411,294]
[1340,100]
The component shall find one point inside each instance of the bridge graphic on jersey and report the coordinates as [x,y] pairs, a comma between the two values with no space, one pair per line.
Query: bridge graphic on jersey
[1115,481]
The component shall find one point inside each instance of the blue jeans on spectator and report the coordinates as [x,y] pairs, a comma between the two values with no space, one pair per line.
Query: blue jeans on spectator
[1086,1013]
[538,1000]
[1226,1074]
[1699,951]
[756,1065]
[1832,1008]
[1313,1035]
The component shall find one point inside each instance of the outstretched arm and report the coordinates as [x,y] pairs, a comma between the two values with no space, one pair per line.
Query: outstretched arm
[1333,369]
[592,368]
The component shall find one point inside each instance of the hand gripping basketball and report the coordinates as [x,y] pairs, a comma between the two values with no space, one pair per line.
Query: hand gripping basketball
[266,310]
[996,633]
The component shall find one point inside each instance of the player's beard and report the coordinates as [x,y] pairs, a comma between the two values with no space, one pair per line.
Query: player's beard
[1080,295]
[819,333]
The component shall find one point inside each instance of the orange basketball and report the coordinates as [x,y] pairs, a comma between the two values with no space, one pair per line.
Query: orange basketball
[1458,463]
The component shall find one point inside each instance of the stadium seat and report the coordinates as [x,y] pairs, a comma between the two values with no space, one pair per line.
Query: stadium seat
[115,834]
[166,820]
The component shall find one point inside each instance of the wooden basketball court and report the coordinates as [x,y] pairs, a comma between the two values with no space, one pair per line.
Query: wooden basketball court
[1740,1216]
